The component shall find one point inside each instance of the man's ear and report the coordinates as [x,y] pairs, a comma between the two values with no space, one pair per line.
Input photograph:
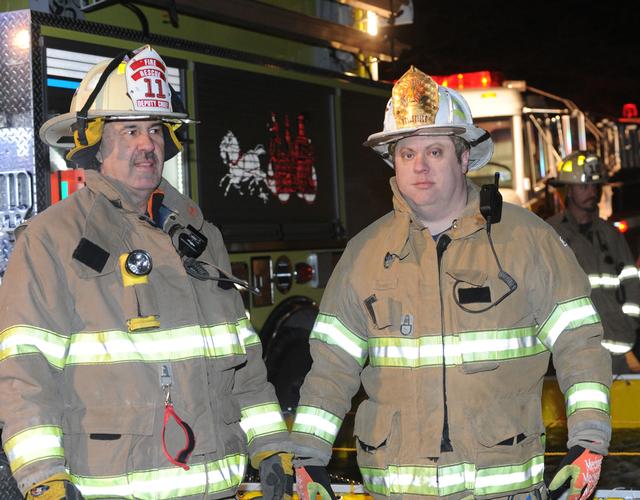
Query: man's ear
[464,161]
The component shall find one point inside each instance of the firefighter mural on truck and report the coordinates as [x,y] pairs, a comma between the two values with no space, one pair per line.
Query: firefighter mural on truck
[290,169]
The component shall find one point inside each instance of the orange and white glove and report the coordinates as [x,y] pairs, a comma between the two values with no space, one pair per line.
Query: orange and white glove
[581,469]
[313,480]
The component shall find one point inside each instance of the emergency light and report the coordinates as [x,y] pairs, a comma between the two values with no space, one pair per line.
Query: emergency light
[473,79]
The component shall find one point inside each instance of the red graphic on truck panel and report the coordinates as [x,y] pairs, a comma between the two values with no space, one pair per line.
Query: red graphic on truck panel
[291,163]
[290,169]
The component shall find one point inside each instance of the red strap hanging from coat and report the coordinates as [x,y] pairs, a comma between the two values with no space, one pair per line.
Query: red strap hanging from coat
[183,455]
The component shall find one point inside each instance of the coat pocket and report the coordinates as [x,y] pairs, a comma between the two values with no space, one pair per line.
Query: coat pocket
[113,418]
[512,421]
[470,288]
[377,432]
[383,307]
[101,440]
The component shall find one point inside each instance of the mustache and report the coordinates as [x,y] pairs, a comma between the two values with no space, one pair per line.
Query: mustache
[147,156]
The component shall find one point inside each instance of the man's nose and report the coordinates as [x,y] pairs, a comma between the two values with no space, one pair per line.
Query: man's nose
[145,142]
[422,165]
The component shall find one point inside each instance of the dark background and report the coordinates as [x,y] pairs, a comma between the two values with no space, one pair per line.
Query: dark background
[587,51]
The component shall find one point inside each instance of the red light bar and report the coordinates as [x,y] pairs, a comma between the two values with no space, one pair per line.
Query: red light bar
[621,225]
[474,79]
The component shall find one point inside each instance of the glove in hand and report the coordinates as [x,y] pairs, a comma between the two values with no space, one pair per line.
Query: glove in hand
[276,477]
[581,469]
[57,487]
[313,480]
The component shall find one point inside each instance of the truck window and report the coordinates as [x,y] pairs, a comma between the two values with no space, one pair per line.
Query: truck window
[502,160]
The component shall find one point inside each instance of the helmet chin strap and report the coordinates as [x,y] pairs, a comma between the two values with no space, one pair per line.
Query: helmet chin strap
[81,116]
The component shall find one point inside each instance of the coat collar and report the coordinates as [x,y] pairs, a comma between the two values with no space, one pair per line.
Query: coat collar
[405,219]
[115,191]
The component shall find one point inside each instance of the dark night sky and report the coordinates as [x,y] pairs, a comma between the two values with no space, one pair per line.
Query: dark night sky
[587,51]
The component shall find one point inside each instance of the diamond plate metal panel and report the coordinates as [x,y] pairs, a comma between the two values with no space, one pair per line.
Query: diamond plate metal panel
[16,95]
[17,152]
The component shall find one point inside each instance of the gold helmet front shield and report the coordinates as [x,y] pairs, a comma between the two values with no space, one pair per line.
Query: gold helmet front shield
[415,99]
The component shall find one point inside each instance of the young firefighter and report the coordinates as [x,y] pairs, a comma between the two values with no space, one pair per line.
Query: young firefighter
[447,310]
[128,368]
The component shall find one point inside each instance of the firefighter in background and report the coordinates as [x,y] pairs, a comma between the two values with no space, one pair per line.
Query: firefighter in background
[128,366]
[604,255]
[447,310]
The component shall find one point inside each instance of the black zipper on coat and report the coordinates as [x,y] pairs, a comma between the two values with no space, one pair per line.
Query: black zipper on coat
[445,442]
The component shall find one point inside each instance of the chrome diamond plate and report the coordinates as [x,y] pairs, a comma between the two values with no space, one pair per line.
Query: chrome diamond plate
[17,155]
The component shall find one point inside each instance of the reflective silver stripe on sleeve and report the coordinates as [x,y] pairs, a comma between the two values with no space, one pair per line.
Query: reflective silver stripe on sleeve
[34,444]
[317,422]
[631,309]
[616,347]
[23,339]
[262,420]
[587,395]
[566,316]
[331,331]
[628,272]
[604,281]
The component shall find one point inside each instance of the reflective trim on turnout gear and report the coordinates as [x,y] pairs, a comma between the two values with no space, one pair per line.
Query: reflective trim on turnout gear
[451,479]
[170,482]
[261,420]
[173,344]
[247,334]
[458,349]
[330,330]
[566,316]
[117,346]
[631,309]
[616,347]
[628,272]
[604,281]
[33,444]
[587,395]
[317,422]
[22,339]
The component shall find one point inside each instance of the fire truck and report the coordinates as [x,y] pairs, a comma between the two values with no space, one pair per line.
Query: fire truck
[531,129]
[622,151]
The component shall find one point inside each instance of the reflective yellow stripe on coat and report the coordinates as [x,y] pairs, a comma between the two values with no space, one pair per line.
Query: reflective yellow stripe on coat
[171,482]
[451,479]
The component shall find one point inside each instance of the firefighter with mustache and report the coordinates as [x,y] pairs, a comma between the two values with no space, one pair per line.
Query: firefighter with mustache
[128,367]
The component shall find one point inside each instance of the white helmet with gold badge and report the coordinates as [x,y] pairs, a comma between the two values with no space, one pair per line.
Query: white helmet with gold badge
[132,86]
[419,106]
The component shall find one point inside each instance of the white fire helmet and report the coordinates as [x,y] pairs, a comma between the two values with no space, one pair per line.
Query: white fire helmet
[132,86]
[419,106]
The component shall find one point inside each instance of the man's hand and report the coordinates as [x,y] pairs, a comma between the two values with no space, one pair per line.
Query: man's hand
[276,477]
[313,480]
[581,468]
[57,487]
